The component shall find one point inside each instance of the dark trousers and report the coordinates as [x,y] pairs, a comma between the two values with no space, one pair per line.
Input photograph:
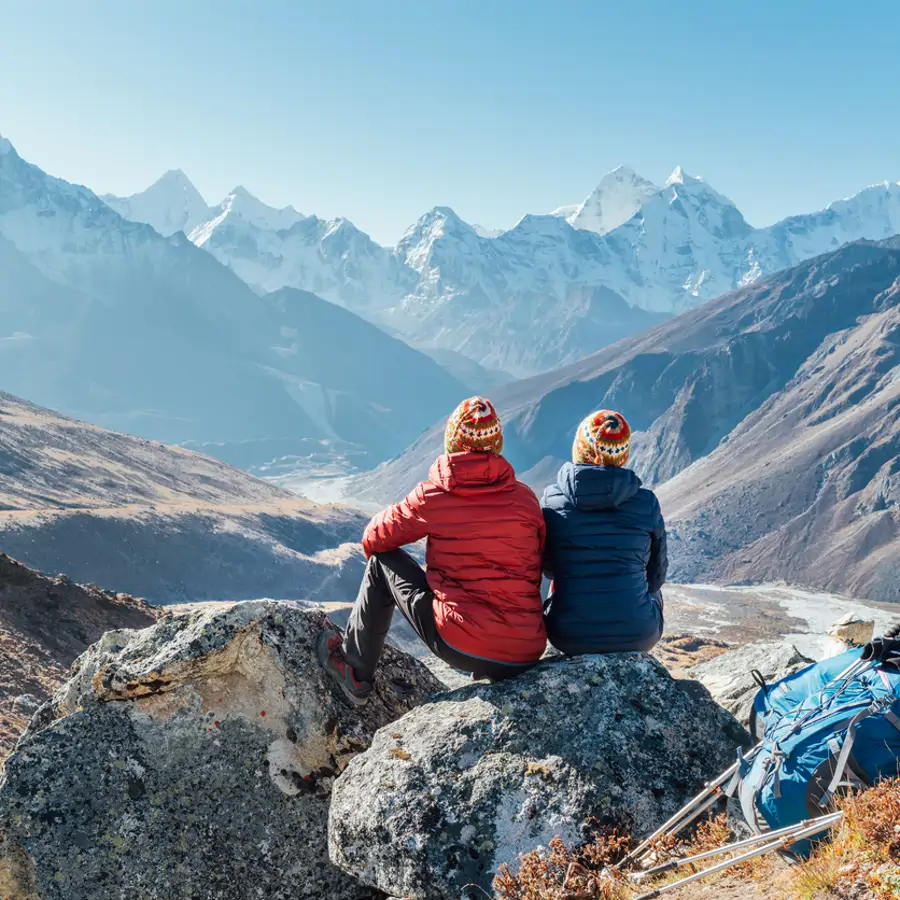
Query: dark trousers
[392,580]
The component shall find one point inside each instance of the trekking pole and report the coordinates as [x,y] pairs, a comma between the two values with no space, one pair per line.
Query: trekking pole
[782,843]
[691,811]
[787,831]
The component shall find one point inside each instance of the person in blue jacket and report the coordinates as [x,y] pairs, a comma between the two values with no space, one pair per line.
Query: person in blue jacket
[606,547]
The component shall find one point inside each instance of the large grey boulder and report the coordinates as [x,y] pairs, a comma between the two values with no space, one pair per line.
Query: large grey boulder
[193,759]
[478,776]
[728,677]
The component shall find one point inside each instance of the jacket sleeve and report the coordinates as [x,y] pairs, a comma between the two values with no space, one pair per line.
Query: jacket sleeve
[545,548]
[398,525]
[658,564]
[542,535]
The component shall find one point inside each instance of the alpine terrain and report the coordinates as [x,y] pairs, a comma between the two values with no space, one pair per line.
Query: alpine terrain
[109,320]
[769,419]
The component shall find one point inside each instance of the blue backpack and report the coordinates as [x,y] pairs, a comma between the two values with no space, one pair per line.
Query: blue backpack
[831,726]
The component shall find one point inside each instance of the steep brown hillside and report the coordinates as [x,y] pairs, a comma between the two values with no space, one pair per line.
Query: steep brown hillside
[808,485]
[159,521]
[45,623]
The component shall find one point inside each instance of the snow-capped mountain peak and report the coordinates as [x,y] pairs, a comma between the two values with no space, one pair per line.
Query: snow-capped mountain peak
[250,208]
[169,205]
[708,211]
[439,225]
[620,194]
[175,179]
[679,176]
[5,146]
[240,206]
[445,284]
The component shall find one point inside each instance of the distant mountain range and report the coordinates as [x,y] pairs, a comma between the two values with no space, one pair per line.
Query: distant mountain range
[769,419]
[113,322]
[546,292]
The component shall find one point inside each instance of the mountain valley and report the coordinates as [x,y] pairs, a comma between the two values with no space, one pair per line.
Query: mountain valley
[272,340]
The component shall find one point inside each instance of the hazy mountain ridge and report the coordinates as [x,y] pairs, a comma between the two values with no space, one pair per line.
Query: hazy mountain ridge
[108,320]
[818,464]
[489,295]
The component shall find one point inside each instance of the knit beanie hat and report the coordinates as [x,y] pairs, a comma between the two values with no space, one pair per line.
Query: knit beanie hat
[602,439]
[474,425]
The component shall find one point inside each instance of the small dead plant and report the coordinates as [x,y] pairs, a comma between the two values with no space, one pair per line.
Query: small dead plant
[561,872]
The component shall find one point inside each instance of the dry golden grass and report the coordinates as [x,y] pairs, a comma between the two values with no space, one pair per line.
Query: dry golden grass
[861,862]
[863,857]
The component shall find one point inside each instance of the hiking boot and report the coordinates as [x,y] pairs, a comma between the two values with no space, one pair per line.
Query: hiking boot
[332,660]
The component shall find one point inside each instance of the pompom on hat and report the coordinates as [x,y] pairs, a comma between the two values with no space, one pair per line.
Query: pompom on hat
[602,439]
[474,426]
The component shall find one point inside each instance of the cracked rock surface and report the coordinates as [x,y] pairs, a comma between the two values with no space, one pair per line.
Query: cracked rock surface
[478,776]
[193,759]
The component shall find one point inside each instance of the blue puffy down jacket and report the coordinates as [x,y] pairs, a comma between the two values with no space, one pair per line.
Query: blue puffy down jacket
[606,554]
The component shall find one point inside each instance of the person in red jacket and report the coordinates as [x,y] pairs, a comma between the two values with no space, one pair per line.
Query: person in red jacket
[479,606]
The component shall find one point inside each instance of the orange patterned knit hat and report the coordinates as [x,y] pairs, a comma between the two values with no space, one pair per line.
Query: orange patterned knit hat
[474,426]
[602,439]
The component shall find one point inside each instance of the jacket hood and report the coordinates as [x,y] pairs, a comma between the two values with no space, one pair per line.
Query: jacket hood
[471,473]
[597,487]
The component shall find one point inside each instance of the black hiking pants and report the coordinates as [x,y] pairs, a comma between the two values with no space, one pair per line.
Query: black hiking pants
[395,579]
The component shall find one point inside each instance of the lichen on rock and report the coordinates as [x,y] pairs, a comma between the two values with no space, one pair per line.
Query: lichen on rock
[491,771]
[193,759]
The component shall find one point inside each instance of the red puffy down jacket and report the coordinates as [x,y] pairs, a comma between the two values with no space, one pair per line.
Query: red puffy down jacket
[485,544]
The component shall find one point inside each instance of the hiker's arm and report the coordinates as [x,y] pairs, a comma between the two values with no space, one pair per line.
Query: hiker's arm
[398,525]
[658,564]
[545,550]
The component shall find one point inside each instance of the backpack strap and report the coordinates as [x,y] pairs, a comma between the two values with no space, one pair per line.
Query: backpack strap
[760,680]
[846,748]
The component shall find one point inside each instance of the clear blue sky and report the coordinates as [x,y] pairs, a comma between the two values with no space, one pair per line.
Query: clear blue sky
[380,109]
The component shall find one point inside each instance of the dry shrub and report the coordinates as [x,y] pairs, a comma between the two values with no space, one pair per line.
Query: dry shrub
[862,860]
[875,816]
[583,872]
[567,873]
[710,834]
[864,854]
[820,876]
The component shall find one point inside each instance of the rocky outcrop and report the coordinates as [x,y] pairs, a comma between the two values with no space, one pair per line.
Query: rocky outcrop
[478,776]
[193,759]
[729,680]
[852,630]
[45,623]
